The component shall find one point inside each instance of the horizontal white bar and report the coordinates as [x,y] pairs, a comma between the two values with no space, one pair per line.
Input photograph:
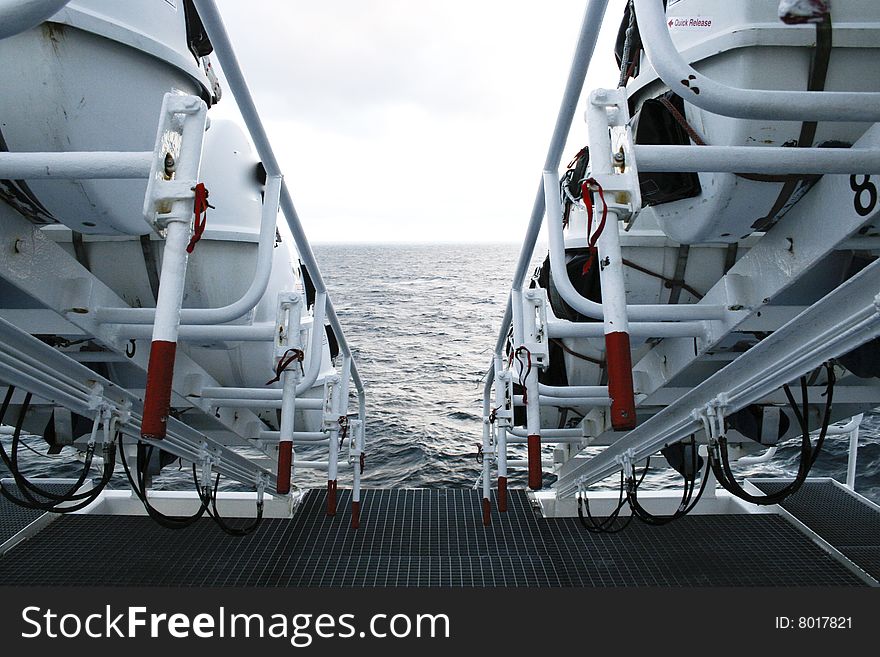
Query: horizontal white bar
[524,464]
[548,433]
[757,159]
[318,465]
[75,166]
[573,391]
[309,404]
[195,333]
[520,440]
[546,400]
[560,328]
[298,436]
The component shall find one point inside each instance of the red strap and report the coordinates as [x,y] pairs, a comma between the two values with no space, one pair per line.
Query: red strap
[200,210]
[588,201]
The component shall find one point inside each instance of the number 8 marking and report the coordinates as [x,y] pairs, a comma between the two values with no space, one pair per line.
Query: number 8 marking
[863,209]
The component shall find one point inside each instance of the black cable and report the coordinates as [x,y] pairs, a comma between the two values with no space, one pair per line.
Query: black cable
[36,452]
[720,458]
[30,492]
[90,496]
[171,522]
[703,481]
[685,505]
[215,514]
[28,488]
[604,526]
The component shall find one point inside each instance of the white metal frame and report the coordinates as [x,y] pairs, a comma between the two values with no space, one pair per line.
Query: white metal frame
[774,261]
[97,312]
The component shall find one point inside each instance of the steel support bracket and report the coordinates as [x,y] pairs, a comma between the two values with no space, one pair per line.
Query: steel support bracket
[183,119]
[622,185]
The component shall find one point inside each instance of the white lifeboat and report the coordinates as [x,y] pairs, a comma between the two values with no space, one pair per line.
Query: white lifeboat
[745,45]
[92,78]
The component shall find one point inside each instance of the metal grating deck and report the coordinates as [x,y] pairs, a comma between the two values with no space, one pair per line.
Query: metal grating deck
[14,518]
[840,518]
[423,538]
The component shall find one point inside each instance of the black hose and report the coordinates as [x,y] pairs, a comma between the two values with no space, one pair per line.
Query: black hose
[685,505]
[720,458]
[30,492]
[606,526]
[92,494]
[170,522]
[215,514]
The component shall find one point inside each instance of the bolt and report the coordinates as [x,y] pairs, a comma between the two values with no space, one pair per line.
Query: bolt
[170,165]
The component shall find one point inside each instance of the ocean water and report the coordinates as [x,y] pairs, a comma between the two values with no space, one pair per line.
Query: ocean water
[422,321]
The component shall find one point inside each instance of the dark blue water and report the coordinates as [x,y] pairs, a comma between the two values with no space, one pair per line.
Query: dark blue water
[422,320]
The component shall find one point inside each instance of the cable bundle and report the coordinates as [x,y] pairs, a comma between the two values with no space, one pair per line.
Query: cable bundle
[34,497]
[207,497]
[720,459]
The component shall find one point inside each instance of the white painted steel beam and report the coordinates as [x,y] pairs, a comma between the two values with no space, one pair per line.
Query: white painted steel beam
[560,328]
[66,382]
[591,24]
[573,391]
[263,332]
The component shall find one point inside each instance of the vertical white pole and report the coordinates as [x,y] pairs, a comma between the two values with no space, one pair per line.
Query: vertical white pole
[289,317]
[487,481]
[532,394]
[853,453]
[340,410]
[618,356]
[289,380]
[356,483]
[333,462]
[160,368]
[501,434]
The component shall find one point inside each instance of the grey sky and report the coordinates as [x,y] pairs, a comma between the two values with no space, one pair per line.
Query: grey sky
[412,120]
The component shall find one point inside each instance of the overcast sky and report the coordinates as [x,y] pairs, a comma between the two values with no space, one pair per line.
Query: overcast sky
[412,120]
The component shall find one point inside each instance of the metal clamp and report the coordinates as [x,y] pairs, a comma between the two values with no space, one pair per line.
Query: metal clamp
[260,485]
[288,322]
[621,183]
[179,138]
[209,458]
[713,415]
